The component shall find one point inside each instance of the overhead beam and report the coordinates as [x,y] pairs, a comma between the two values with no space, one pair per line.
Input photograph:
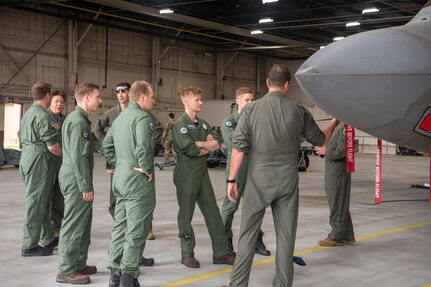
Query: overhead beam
[136,8]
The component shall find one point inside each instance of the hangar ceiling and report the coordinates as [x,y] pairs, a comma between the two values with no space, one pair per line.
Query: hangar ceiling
[298,27]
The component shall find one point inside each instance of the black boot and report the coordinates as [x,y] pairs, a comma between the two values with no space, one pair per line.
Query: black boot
[114,281]
[260,247]
[230,246]
[127,280]
[147,262]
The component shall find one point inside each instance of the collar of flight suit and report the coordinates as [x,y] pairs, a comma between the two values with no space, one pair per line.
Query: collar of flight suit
[186,116]
[82,113]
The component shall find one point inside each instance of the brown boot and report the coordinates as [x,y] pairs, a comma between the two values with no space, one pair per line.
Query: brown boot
[151,235]
[227,259]
[349,241]
[328,242]
[190,261]
[73,278]
[88,270]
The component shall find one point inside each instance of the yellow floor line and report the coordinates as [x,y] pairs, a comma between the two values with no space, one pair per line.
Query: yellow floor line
[297,253]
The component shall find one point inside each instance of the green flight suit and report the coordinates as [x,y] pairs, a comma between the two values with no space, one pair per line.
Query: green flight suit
[337,186]
[272,129]
[57,199]
[37,171]
[76,177]
[128,144]
[229,208]
[193,185]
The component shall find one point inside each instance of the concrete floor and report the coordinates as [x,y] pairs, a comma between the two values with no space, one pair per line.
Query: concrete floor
[393,247]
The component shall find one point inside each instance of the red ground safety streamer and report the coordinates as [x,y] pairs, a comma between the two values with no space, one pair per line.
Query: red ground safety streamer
[350,148]
[430,179]
[378,186]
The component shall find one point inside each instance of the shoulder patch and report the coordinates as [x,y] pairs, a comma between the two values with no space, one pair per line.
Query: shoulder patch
[229,124]
[86,134]
[205,126]
[183,130]
[151,126]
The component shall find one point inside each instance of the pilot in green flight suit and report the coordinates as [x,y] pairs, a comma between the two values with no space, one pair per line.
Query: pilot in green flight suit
[128,147]
[76,184]
[337,188]
[193,140]
[39,142]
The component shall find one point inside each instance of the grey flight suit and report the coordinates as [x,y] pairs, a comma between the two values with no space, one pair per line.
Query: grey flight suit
[76,177]
[272,128]
[229,208]
[128,144]
[37,171]
[57,200]
[193,185]
[337,186]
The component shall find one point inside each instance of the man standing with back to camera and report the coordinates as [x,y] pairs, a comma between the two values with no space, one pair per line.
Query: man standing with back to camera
[271,129]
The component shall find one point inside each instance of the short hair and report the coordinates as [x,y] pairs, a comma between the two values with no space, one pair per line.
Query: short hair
[84,88]
[243,90]
[138,88]
[124,84]
[39,90]
[59,93]
[278,75]
[171,115]
[190,90]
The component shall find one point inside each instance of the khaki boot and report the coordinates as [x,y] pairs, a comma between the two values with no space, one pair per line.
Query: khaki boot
[151,235]
[328,242]
[73,278]
[190,261]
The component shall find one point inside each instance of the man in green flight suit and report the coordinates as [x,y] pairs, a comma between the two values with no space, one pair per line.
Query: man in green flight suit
[39,141]
[193,140]
[128,147]
[271,129]
[76,184]
[55,112]
[337,188]
[100,129]
[244,96]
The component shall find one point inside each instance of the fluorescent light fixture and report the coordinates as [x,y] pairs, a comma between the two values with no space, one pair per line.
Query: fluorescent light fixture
[351,24]
[338,38]
[370,10]
[265,20]
[321,47]
[166,11]
[268,1]
[255,32]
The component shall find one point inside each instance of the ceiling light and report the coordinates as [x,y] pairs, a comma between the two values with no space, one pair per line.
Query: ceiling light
[166,11]
[338,38]
[370,10]
[351,24]
[268,1]
[255,32]
[321,47]
[265,20]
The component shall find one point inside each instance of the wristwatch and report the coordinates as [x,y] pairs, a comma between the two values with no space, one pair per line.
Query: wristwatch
[230,180]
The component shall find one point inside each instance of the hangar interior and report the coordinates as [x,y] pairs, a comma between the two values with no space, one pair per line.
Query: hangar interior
[208,44]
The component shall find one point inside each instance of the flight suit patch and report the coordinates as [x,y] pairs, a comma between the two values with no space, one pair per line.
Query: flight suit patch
[55,125]
[85,134]
[183,130]
[228,123]
[192,127]
[205,126]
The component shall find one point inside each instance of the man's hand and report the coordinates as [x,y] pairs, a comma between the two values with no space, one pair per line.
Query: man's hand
[209,138]
[88,196]
[110,170]
[320,150]
[232,192]
[149,175]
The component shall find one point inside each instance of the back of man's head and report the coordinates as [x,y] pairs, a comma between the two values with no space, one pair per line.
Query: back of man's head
[39,90]
[278,75]
[83,89]
[138,88]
